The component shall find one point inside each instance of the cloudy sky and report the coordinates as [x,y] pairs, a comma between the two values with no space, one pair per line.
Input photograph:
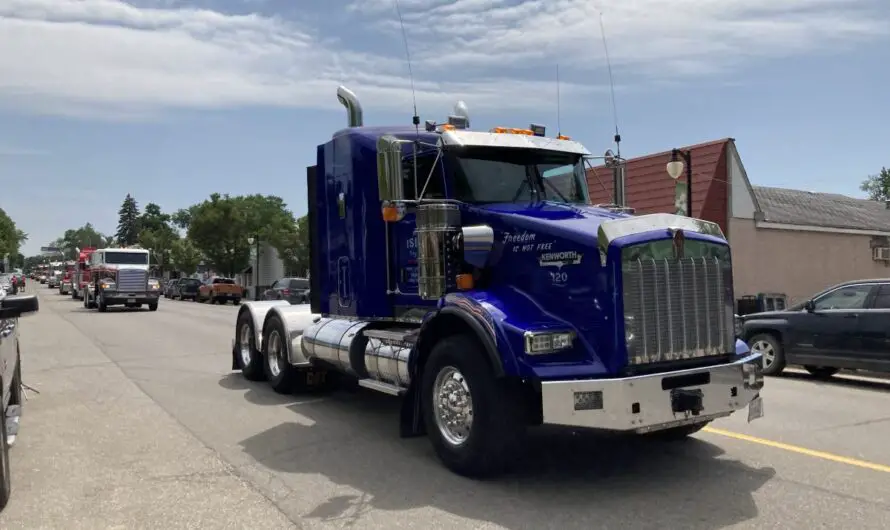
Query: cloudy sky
[171,100]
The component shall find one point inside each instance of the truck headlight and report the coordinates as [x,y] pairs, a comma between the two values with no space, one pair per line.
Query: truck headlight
[544,342]
[107,285]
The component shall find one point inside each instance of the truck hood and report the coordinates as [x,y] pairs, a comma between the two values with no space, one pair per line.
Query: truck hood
[575,222]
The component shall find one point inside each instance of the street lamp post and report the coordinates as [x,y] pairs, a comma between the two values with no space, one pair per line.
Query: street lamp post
[679,160]
[256,267]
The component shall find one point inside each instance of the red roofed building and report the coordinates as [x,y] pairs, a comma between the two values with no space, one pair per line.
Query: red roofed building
[649,189]
[784,241]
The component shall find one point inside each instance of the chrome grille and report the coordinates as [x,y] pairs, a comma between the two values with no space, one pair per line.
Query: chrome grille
[677,308]
[133,280]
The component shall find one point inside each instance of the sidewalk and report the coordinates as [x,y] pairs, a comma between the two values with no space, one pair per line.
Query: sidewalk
[95,452]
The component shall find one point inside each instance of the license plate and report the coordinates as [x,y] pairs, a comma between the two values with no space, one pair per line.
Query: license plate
[755,409]
[131,300]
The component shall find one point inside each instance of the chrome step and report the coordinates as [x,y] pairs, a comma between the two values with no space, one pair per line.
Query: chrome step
[380,386]
[402,336]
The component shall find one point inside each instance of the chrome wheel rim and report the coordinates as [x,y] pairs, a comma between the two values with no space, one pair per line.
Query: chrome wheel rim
[244,345]
[274,354]
[453,405]
[765,349]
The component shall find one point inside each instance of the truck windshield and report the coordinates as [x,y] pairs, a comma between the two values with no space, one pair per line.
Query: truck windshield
[489,175]
[126,258]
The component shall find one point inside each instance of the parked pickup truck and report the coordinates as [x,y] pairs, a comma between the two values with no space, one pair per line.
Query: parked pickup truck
[220,290]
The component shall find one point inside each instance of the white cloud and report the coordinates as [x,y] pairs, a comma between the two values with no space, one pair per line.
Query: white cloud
[108,57]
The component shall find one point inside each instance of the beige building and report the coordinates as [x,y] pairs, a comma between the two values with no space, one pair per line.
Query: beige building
[800,242]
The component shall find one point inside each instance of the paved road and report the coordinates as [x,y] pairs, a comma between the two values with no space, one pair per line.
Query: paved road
[140,424]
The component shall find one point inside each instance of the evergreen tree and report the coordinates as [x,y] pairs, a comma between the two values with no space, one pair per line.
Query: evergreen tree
[128,225]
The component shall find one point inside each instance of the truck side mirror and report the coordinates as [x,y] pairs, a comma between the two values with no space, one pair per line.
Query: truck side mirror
[810,306]
[389,168]
[18,305]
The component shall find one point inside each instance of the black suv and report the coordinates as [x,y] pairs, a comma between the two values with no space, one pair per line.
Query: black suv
[846,326]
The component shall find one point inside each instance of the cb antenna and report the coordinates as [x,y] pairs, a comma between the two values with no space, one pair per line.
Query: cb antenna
[558,108]
[611,83]
[416,118]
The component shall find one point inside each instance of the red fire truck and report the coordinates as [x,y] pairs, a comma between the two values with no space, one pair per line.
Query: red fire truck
[81,273]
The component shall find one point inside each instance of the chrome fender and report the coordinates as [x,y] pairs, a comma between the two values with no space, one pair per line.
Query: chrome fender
[295,319]
[257,311]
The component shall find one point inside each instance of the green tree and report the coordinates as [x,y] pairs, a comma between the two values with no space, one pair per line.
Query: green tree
[85,236]
[128,223]
[877,186]
[268,219]
[156,234]
[183,218]
[185,256]
[295,248]
[11,238]
[218,229]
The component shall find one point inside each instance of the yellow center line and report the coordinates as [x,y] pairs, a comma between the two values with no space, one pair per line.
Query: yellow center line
[800,450]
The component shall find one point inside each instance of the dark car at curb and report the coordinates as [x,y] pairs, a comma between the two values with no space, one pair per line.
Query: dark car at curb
[12,395]
[187,289]
[844,327]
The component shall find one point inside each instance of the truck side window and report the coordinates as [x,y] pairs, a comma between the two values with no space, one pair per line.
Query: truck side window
[436,187]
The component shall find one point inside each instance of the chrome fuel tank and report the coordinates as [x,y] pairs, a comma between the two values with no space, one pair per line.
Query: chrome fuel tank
[330,340]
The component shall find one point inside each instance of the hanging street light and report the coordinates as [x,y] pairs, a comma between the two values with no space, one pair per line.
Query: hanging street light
[679,161]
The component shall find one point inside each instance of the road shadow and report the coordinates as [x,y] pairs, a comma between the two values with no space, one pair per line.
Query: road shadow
[112,309]
[839,381]
[567,478]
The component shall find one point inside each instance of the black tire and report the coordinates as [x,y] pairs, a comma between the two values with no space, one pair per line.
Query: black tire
[281,375]
[151,307]
[496,434]
[253,368]
[677,433]
[5,471]
[821,372]
[16,391]
[771,348]
[100,303]
[236,301]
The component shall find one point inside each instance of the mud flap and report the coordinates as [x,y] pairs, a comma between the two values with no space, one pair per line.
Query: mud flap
[234,356]
[411,418]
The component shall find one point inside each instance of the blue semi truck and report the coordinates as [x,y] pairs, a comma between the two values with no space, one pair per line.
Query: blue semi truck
[467,273]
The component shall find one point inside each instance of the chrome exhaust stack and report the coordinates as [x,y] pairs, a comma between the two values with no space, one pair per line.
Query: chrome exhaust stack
[348,99]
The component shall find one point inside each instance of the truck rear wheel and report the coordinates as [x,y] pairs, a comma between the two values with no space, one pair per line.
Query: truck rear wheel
[279,372]
[474,421]
[247,356]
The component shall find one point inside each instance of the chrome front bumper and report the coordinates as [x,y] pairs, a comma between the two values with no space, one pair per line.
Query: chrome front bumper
[659,401]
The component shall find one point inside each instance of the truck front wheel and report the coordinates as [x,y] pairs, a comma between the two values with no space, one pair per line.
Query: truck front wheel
[474,420]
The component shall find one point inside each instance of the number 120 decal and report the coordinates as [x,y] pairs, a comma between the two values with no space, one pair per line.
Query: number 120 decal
[559,277]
